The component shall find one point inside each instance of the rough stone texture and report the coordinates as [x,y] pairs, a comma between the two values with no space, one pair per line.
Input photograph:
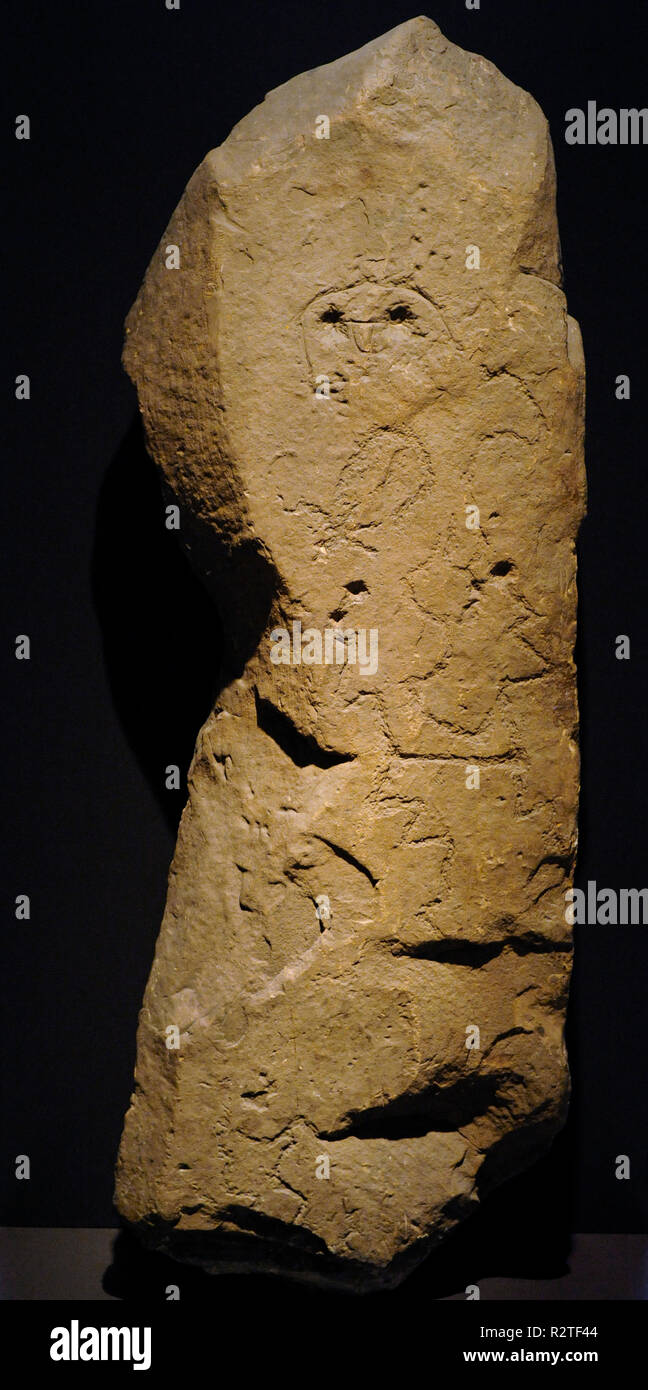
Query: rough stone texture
[344,1036]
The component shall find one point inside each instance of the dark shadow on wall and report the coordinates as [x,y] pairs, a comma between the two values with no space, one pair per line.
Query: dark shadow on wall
[161,632]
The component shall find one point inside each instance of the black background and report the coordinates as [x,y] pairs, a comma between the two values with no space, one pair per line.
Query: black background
[125,99]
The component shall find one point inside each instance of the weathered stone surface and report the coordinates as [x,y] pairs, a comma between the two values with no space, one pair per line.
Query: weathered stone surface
[344,904]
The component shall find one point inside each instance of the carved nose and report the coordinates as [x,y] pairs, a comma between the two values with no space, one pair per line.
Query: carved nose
[362,335]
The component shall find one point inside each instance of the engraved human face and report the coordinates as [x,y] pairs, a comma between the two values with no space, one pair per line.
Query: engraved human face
[385,346]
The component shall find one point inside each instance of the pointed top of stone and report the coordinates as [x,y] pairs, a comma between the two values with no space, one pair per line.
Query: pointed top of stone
[412,76]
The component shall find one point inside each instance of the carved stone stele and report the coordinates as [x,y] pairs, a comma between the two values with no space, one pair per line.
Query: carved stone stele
[365,395]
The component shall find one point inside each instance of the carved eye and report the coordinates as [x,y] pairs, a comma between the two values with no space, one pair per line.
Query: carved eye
[399,313]
[331,315]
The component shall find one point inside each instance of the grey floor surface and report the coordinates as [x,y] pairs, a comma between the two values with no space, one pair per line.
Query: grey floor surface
[58,1263]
